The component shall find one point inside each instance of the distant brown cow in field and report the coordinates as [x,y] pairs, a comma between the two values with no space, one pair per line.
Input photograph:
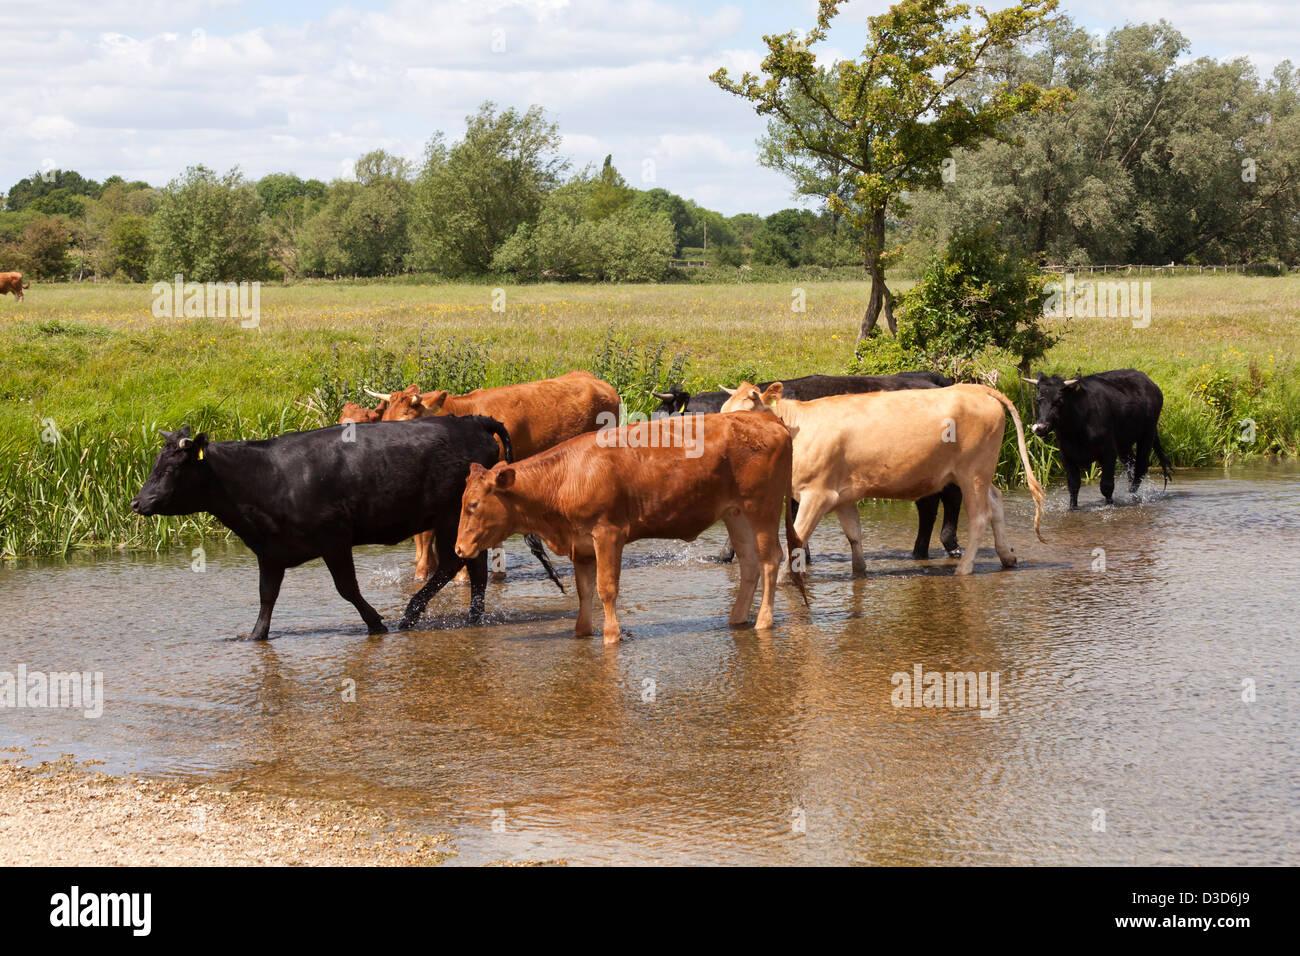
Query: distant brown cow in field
[13,282]
[538,415]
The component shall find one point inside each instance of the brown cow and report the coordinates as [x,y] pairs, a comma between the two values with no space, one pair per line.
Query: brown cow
[666,478]
[13,282]
[352,412]
[538,415]
[905,445]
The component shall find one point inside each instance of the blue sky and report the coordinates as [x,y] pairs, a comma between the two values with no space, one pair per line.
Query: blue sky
[146,87]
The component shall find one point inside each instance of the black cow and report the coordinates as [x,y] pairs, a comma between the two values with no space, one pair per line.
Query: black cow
[319,494]
[675,401]
[1099,418]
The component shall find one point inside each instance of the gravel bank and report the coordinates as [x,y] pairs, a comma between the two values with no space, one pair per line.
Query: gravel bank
[60,813]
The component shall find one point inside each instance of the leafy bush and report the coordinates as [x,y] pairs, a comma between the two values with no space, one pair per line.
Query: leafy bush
[972,296]
[880,354]
[634,372]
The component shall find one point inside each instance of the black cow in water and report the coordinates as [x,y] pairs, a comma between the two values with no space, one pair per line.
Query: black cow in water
[676,401]
[318,494]
[1100,418]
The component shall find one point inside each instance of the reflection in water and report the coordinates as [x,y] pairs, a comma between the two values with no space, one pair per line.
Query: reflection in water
[1120,692]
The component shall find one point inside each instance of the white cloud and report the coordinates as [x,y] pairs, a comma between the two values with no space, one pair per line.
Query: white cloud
[147,87]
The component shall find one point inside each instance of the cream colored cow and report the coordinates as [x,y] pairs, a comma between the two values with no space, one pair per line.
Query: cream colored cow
[905,445]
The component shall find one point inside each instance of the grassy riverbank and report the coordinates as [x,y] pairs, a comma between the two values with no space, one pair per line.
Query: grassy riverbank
[90,365]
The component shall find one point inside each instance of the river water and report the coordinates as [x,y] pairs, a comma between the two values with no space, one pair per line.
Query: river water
[1123,650]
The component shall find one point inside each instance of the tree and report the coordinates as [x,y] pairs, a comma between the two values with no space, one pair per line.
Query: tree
[972,296]
[470,198]
[207,228]
[573,239]
[362,230]
[892,116]
[44,248]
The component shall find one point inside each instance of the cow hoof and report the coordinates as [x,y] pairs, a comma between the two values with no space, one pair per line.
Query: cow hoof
[955,553]
[1009,562]
[378,628]
[612,638]
[919,555]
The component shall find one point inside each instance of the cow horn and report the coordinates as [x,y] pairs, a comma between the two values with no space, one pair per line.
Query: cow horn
[1031,381]
[376,394]
[664,396]
[1071,381]
[729,391]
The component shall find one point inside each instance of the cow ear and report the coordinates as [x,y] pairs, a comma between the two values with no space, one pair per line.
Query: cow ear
[505,478]
[772,393]
[201,443]
[475,469]
[434,400]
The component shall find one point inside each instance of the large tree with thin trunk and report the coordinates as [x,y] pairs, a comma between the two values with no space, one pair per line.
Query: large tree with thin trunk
[889,119]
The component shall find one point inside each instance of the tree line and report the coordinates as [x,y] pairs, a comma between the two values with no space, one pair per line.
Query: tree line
[501,200]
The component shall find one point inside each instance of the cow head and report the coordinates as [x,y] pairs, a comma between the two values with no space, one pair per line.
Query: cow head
[1053,398]
[671,402]
[486,512]
[746,397]
[411,403]
[352,412]
[176,484]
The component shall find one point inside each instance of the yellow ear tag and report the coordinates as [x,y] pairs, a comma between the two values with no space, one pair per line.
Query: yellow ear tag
[200,454]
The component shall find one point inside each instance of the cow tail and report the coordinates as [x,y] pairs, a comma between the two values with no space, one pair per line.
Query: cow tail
[27,286]
[1035,488]
[534,543]
[1165,468]
[793,545]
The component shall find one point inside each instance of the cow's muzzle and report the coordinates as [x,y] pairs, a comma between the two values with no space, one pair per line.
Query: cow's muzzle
[140,507]
[1040,428]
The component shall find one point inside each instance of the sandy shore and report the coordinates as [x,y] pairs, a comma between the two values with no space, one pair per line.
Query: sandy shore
[63,814]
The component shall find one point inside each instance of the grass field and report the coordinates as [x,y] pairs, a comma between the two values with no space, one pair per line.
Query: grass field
[92,364]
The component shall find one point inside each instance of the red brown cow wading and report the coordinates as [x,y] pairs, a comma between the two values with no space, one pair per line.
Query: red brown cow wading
[666,478]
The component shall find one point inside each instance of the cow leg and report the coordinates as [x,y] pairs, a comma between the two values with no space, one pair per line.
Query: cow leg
[767,532]
[448,564]
[927,509]
[743,540]
[975,493]
[609,565]
[425,558]
[951,498]
[1108,477]
[1072,481]
[812,509]
[997,517]
[1141,462]
[269,578]
[584,577]
[851,522]
[344,573]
